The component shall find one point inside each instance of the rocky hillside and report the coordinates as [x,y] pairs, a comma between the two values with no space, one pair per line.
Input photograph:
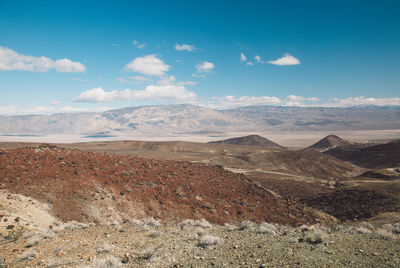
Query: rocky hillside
[251,140]
[106,188]
[376,156]
[329,142]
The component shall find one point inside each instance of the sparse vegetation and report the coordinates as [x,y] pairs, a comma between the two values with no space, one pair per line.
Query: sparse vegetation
[208,241]
[29,254]
[33,241]
[230,227]
[149,253]
[198,223]
[106,248]
[313,236]
[267,228]
[109,262]
[154,234]
[247,225]
[151,222]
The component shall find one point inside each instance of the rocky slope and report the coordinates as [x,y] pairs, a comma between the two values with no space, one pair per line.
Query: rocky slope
[98,187]
[251,140]
[376,156]
[329,142]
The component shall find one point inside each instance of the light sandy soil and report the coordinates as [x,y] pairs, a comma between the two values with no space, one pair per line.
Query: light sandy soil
[141,244]
[287,139]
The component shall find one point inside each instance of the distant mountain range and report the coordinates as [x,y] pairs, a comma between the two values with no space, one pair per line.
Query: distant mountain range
[189,119]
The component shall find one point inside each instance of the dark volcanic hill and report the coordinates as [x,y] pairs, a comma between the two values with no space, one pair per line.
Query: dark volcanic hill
[251,140]
[329,142]
[377,156]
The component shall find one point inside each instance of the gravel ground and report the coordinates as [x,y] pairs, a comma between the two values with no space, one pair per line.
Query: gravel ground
[199,244]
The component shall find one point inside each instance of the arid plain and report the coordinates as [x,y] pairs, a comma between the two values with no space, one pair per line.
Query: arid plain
[246,201]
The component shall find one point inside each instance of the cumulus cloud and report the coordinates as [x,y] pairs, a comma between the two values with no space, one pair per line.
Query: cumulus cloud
[258,59]
[165,90]
[184,47]
[138,45]
[10,60]
[140,78]
[226,102]
[294,100]
[301,98]
[38,110]
[243,57]
[171,80]
[150,65]
[355,101]
[135,80]
[287,59]
[205,67]
[234,101]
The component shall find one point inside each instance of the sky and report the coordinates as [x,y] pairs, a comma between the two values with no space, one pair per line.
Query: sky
[74,56]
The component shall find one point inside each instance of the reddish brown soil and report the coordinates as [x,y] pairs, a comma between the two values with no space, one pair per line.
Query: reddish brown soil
[70,181]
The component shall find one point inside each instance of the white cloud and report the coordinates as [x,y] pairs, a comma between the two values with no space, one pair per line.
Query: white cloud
[139,45]
[56,102]
[115,45]
[355,101]
[186,47]
[140,78]
[205,67]
[97,95]
[70,109]
[68,66]
[165,90]
[287,59]
[8,109]
[243,57]
[38,110]
[171,80]
[149,64]
[294,98]
[249,63]
[258,59]
[234,101]
[238,101]
[135,80]
[11,60]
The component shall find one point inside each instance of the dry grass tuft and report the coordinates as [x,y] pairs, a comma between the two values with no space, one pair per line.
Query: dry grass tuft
[208,241]
[106,248]
[198,223]
[267,228]
[29,254]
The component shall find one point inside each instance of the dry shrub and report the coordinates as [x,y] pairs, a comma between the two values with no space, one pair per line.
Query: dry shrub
[198,223]
[267,228]
[208,241]
[29,254]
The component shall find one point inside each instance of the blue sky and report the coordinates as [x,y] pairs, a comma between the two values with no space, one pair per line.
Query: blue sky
[109,54]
